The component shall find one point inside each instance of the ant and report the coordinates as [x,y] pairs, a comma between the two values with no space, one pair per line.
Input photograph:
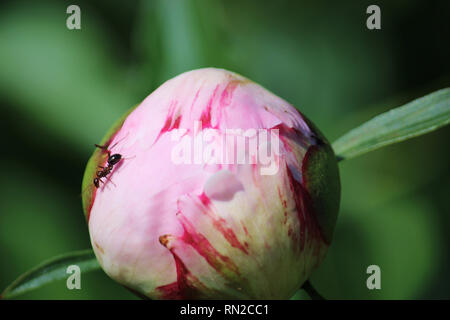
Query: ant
[113,159]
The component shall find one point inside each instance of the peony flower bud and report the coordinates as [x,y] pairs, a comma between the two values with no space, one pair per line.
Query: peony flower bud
[223,191]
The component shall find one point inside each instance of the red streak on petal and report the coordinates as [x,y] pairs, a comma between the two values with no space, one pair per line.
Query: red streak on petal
[289,231]
[205,118]
[168,125]
[306,215]
[283,201]
[309,228]
[176,123]
[204,199]
[199,242]
[228,233]
[293,135]
[227,93]
[297,194]
[255,174]
[245,228]
[220,224]
[195,98]
[187,285]
[170,291]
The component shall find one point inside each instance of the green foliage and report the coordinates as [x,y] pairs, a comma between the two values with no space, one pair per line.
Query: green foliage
[415,118]
[51,270]
[61,90]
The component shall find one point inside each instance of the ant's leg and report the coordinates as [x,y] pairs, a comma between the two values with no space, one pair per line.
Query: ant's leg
[105,148]
[99,180]
[115,144]
[111,181]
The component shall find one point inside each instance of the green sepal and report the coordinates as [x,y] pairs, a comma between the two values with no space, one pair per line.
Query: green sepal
[98,158]
[320,175]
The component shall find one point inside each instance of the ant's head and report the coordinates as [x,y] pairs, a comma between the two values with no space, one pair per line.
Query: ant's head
[96,182]
[114,159]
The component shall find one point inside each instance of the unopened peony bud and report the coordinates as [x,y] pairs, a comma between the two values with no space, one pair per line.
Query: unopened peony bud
[223,190]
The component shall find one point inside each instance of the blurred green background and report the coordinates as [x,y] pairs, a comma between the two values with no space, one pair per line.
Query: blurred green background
[60,90]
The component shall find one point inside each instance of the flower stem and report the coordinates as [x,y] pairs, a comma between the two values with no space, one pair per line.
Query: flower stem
[313,294]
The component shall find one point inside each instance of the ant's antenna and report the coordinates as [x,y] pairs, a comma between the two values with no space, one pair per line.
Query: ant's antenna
[115,144]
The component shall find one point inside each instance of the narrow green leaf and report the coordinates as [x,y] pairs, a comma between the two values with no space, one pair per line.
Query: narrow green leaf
[413,119]
[51,270]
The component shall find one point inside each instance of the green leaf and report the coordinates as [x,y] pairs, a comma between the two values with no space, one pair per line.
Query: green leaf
[51,270]
[413,119]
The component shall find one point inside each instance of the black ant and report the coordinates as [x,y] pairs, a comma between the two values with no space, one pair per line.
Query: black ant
[113,159]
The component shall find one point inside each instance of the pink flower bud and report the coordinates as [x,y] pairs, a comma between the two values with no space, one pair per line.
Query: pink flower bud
[224,190]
